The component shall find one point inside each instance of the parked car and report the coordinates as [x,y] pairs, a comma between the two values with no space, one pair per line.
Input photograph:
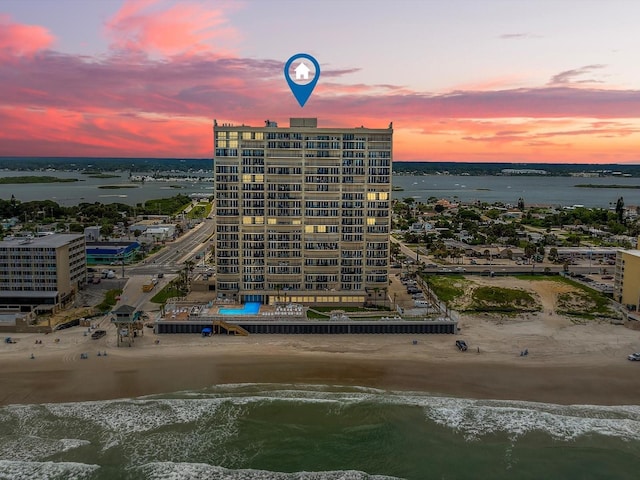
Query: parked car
[98,334]
[160,275]
[634,357]
[462,345]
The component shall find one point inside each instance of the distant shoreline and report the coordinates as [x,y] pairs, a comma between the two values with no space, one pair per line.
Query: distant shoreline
[592,185]
[35,179]
[94,165]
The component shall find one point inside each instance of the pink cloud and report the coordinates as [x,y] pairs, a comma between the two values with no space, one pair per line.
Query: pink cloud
[575,76]
[57,132]
[180,29]
[18,40]
[158,92]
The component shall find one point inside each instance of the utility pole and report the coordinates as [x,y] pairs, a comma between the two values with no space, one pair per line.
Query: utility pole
[122,261]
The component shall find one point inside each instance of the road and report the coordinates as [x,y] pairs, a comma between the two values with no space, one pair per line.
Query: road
[173,256]
[168,261]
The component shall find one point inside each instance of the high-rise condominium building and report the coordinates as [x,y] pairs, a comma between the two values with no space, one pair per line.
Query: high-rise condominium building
[302,213]
[42,273]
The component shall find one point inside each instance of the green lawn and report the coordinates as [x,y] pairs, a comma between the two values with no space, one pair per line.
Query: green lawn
[109,300]
[169,291]
[447,287]
[507,300]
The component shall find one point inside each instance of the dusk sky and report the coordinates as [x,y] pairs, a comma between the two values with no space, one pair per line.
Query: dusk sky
[461,80]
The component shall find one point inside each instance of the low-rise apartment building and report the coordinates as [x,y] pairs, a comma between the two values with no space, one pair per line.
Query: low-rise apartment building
[41,274]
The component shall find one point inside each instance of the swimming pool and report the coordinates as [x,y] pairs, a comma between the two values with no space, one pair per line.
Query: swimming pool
[250,308]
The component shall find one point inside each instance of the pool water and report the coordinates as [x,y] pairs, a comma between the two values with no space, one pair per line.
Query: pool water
[251,308]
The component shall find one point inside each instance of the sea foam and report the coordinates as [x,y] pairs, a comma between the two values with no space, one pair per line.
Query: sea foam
[15,470]
[194,471]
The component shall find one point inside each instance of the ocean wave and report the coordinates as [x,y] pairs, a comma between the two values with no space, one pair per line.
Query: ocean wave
[16,470]
[477,418]
[118,420]
[473,418]
[135,415]
[192,471]
[26,448]
[220,407]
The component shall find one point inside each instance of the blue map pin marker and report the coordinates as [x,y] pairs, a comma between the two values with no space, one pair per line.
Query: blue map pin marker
[305,79]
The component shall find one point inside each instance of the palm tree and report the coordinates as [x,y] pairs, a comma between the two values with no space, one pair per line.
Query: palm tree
[278,288]
[185,276]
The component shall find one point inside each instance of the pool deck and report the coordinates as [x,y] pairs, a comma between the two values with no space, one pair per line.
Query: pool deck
[189,311]
[193,317]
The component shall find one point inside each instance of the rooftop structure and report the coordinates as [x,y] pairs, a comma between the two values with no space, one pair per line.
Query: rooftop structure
[114,252]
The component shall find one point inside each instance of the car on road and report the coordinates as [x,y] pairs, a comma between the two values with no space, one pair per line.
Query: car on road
[98,334]
[634,357]
[160,275]
[462,345]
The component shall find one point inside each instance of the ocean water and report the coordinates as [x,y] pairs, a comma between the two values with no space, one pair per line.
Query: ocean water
[560,191]
[313,432]
[543,190]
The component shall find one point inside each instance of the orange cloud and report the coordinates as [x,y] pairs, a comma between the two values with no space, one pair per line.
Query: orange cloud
[567,140]
[181,29]
[127,103]
[59,132]
[20,40]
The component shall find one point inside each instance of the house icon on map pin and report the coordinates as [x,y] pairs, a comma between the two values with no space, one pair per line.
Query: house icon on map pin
[302,72]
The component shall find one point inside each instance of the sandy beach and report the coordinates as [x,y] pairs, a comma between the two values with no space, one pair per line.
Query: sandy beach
[567,363]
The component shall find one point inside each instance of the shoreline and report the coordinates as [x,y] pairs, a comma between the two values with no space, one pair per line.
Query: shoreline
[185,362]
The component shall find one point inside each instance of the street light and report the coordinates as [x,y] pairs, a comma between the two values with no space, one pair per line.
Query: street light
[121,254]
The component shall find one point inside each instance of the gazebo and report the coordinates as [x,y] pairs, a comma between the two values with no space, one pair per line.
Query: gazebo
[128,323]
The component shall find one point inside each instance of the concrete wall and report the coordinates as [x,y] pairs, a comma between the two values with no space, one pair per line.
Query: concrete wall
[23,326]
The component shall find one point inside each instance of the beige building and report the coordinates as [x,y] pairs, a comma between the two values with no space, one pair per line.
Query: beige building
[302,213]
[626,287]
[41,274]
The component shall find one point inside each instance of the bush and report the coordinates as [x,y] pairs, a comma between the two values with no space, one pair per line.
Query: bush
[109,300]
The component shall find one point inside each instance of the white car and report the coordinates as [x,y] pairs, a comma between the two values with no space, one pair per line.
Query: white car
[634,357]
